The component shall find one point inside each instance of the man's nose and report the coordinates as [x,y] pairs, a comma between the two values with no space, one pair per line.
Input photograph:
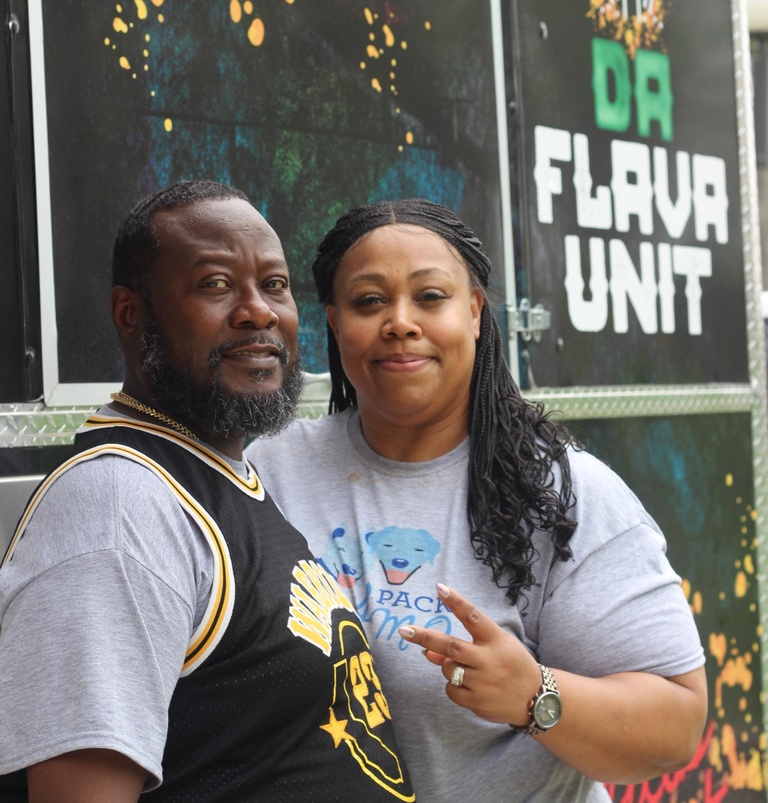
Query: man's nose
[252,310]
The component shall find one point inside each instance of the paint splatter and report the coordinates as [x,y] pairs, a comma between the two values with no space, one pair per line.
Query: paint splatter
[636,24]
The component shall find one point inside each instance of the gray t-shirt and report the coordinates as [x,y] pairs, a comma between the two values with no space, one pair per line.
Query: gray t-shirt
[97,609]
[389,531]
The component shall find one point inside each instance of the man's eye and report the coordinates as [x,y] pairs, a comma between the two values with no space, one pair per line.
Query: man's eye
[277,283]
[367,300]
[216,284]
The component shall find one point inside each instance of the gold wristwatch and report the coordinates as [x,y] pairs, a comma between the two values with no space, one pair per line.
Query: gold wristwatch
[546,707]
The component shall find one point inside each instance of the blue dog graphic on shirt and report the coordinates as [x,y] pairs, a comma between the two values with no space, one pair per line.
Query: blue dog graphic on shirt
[401,551]
[342,558]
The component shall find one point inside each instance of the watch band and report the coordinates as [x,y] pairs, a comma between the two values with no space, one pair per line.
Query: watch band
[548,686]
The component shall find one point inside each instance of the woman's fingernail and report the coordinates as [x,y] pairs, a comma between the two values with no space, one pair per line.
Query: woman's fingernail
[443,591]
[406,632]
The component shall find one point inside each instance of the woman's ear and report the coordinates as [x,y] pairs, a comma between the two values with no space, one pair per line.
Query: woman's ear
[330,314]
[476,307]
[127,308]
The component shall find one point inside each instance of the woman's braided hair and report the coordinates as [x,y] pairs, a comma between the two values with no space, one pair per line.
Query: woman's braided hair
[513,442]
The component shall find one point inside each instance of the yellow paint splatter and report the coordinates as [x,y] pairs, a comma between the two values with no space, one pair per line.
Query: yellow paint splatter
[124,63]
[729,480]
[753,515]
[734,673]
[741,585]
[119,25]
[404,45]
[141,9]
[160,18]
[235,11]
[106,41]
[362,65]
[368,16]
[372,52]
[168,124]
[717,647]
[157,3]
[428,25]
[698,603]
[389,37]
[248,7]
[409,137]
[749,565]
[376,85]
[290,2]
[256,32]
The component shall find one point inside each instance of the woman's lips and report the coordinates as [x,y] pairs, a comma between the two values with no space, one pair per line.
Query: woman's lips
[403,363]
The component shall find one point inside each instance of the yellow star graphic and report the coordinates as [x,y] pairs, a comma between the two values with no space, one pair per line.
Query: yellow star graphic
[337,728]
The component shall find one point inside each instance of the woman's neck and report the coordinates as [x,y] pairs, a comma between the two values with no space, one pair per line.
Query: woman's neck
[415,443]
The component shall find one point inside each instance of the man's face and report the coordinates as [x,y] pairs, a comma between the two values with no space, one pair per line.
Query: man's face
[220,336]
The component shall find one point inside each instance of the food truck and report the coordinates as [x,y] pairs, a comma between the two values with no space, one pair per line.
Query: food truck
[603,151]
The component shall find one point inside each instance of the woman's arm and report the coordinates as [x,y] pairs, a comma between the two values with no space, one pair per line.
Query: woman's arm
[621,728]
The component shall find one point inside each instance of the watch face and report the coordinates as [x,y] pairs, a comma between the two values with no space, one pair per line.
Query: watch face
[547,710]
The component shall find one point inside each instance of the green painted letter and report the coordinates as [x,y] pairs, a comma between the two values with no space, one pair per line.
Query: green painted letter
[609,58]
[653,102]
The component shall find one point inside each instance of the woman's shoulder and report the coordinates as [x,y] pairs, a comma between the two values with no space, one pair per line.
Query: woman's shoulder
[301,436]
[604,503]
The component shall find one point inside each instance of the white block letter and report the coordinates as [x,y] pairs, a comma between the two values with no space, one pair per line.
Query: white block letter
[591,213]
[710,210]
[586,316]
[693,263]
[639,289]
[632,197]
[674,215]
[550,143]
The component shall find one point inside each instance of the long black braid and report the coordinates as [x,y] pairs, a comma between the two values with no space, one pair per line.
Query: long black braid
[513,442]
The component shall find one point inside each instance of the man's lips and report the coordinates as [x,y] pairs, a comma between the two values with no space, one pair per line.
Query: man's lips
[260,352]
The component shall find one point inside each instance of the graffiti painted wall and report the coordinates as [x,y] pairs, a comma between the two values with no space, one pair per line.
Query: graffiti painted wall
[629,166]
[308,107]
[694,475]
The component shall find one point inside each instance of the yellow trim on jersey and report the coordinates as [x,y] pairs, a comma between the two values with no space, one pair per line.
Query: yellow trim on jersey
[219,610]
[250,485]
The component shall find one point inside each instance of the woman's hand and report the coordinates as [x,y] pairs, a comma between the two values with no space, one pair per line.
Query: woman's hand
[621,728]
[500,675]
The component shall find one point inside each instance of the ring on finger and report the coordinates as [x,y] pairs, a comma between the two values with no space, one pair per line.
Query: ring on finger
[457,676]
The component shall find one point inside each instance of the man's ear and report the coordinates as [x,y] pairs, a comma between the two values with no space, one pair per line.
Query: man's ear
[127,308]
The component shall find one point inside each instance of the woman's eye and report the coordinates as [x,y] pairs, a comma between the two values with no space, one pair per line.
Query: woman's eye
[432,295]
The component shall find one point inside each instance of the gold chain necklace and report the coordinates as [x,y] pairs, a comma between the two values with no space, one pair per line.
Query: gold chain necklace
[129,401]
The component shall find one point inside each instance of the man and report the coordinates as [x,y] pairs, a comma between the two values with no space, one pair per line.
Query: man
[162,627]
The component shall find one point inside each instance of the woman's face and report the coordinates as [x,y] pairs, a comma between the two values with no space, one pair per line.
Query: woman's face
[406,319]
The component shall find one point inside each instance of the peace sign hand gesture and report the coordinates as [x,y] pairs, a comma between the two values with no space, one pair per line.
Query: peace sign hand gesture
[494,675]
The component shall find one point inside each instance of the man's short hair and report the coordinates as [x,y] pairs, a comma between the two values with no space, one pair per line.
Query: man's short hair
[136,246]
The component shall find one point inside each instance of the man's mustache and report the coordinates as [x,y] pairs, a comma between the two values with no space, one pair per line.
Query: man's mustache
[261,340]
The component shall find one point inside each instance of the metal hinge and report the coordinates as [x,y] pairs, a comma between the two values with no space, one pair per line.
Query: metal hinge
[527,321]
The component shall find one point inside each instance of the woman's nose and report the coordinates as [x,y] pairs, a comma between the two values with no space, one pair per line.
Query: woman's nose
[401,321]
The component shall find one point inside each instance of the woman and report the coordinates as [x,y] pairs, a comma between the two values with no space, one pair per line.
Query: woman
[434,476]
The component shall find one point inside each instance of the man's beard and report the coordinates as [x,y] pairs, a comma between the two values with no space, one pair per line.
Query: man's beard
[210,407]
